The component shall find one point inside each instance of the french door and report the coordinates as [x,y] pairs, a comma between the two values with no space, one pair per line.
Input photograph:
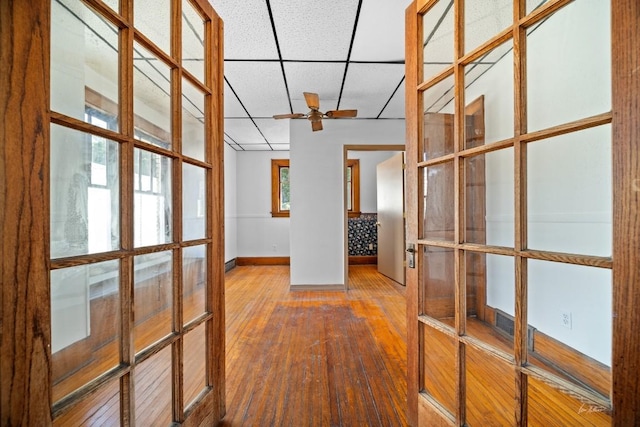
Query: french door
[518,305]
[122,143]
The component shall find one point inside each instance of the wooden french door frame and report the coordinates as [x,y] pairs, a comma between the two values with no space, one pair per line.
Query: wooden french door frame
[25,346]
[625,115]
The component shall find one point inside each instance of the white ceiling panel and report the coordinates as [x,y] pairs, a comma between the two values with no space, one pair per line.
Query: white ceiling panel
[247,29]
[280,147]
[318,30]
[324,79]
[396,107]
[257,147]
[369,86]
[370,43]
[276,131]
[243,132]
[259,86]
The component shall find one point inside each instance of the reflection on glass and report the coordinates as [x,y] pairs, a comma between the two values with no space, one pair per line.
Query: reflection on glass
[438,358]
[489,97]
[489,203]
[195,356]
[490,299]
[153,19]
[153,377]
[151,98]
[438,202]
[192,41]
[194,202]
[84,62]
[569,309]
[570,410]
[499,383]
[438,295]
[569,65]
[194,279]
[152,198]
[438,38]
[438,120]
[113,4]
[153,286]
[85,202]
[569,194]
[484,19]
[193,144]
[107,398]
[534,4]
[85,315]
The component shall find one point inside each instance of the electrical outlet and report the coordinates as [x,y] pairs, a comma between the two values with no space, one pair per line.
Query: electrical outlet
[565,319]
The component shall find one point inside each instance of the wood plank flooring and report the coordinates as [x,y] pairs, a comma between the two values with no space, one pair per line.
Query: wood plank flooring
[315,358]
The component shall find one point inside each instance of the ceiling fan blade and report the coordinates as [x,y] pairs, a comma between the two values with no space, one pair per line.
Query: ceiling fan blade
[339,114]
[316,125]
[289,116]
[312,99]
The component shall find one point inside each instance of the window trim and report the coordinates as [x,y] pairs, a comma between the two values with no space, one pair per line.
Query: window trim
[276,165]
[354,164]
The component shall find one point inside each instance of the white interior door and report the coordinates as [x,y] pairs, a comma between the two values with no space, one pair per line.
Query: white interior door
[390,192]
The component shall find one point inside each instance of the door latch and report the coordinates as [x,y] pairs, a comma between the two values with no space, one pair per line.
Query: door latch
[411,255]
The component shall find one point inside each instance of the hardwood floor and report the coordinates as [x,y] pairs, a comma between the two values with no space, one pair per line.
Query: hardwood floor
[315,358]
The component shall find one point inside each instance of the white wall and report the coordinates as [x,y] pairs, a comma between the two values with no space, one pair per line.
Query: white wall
[569,177]
[230,204]
[258,234]
[317,173]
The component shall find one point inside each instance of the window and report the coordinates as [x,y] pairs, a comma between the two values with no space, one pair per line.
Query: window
[280,196]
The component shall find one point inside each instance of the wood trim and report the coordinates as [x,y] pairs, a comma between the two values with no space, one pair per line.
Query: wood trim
[282,260]
[354,164]
[625,24]
[363,260]
[25,335]
[276,165]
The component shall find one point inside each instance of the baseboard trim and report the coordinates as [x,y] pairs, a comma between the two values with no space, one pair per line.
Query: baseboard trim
[325,288]
[276,260]
[363,259]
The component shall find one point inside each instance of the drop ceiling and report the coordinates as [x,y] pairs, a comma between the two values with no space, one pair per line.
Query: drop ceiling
[349,52]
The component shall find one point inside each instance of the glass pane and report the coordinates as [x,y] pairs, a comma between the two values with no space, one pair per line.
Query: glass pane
[101,408]
[438,362]
[438,296]
[192,41]
[489,97]
[194,202]
[193,144]
[85,318]
[84,62]
[491,299]
[113,4]
[152,298]
[194,277]
[438,195]
[569,195]
[85,193]
[489,198]
[484,19]
[490,390]
[285,203]
[438,120]
[569,65]
[535,4]
[152,387]
[566,410]
[153,18]
[195,357]
[569,309]
[438,38]
[151,98]
[152,202]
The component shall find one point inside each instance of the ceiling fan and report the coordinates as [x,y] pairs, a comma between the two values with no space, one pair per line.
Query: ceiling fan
[315,115]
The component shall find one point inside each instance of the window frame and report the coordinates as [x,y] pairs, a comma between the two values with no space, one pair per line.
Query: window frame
[354,195]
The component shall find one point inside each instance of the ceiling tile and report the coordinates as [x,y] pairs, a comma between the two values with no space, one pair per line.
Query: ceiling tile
[485,19]
[247,29]
[276,131]
[324,79]
[232,107]
[396,107]
[370,43]
[242,131]
[259,86]
[368,87]
[318,30]
[438,34]
[257,147]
